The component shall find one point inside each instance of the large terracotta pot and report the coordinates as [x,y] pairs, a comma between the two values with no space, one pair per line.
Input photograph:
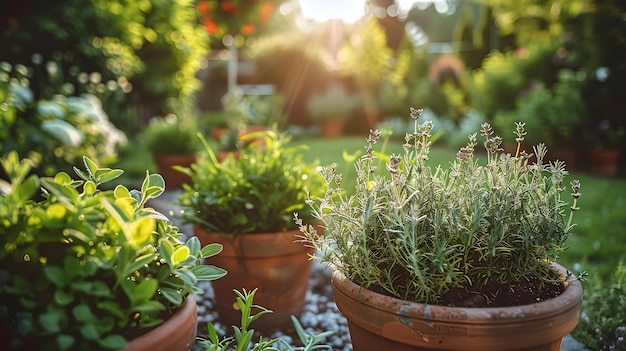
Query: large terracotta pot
[178,333]
[275,263]
[380,322]
[173,178]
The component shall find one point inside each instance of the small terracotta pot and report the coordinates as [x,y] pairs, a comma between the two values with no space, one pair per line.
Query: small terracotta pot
[178,333]
[173,178]
[333,128]
[604,161]
[380,322]
[275,263]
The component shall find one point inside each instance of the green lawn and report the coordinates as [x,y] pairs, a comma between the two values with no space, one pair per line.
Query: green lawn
[599,240]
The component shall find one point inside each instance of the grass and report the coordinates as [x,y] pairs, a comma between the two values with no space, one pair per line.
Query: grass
[599,240]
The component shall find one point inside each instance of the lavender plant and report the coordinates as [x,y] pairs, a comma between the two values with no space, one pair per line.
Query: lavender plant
[421,233]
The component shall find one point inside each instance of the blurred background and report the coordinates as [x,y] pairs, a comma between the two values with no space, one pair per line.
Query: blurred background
[557,65]
[117,80]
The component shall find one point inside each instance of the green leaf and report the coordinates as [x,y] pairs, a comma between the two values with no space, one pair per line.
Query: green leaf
[113,342]
[121,192]
[66,193]
[65,342]
[83,313]
[153,185]
[104,175]
[143,291]
[91,167]
[208,272]
[173,296]
[112,308]
[90,188]
[63,298]
[83,175]
[211,250]
[63,131]
[129,268]
[194,246]
[89,331]
[26,190]
[140,231]
[55,274]
[187,276]
[180,255]
[51,320]
[166,250]
[149,307]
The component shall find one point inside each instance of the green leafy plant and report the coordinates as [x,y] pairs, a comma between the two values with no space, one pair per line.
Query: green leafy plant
[171,135]
[429,234]
[85,268]
[242,336]
[603,320]
[255,192]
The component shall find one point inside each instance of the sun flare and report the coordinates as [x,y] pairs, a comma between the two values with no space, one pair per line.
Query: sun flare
[348,11]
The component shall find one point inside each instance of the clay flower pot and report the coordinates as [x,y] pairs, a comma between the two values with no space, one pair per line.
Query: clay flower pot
[380,322]
[275,263]
[173,178]
[178,333]
[604,161]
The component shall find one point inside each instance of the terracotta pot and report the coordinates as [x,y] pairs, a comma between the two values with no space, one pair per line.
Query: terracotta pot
[173,178]
[604,161]
[333,128]
[178,333]
[380,322]
[275,263]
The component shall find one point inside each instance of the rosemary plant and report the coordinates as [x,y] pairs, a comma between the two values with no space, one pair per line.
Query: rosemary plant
[418,232]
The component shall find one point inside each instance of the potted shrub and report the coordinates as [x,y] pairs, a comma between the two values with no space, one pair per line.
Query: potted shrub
[172,141]
[84,268]
[246,203]
[461,259]
[332,108]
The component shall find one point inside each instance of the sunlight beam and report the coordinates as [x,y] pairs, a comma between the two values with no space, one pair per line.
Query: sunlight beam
[349,11]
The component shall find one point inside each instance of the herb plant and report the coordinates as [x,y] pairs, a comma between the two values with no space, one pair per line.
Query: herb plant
[420,233]
[255,192]
[242,336]
[84,268]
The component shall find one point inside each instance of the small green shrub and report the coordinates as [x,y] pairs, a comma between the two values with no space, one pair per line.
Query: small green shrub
[602,324]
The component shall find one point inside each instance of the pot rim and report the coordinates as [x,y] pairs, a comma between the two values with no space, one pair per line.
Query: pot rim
[568,300]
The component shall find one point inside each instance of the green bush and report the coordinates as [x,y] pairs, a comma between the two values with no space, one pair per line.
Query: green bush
[149,50]
[603,320]
[56,131]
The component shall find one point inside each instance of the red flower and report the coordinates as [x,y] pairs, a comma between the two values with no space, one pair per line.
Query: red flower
[209,25]
[203,7]
[266,11]
[228,6]
[248,29]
